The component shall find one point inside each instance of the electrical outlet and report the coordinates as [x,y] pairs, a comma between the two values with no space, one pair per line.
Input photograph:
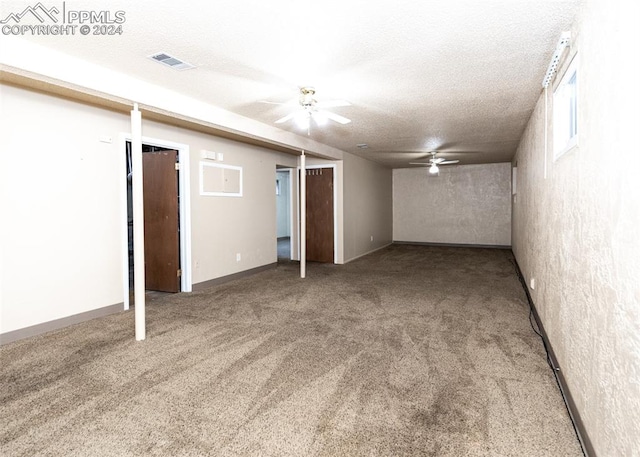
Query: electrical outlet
[238,257]
[533,283]
[372,238]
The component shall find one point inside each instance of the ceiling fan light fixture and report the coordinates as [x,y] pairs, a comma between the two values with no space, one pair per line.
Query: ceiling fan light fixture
[312,109]
[433,169]
[303,120]
[306,96]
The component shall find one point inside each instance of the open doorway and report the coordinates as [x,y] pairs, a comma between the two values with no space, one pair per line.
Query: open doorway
[284,214]
[161,219]
[166,219]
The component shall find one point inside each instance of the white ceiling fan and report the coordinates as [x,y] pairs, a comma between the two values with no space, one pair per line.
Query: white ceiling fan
[312,109]
[434,162]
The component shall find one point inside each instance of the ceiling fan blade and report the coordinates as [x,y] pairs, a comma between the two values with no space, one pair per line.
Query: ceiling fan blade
[292,102]
[332,103]
[335,117]
[420,163]
[448,162]
[437,161]
[287,117]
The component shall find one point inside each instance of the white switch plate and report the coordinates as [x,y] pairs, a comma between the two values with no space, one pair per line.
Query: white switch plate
[238,257]
[533,283]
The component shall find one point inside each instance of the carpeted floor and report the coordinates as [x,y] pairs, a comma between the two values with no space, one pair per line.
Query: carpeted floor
[410,351]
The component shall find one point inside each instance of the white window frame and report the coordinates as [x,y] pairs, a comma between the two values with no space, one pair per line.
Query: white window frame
[565,112]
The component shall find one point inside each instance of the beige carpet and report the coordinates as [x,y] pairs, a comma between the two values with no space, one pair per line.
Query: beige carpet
[412,350]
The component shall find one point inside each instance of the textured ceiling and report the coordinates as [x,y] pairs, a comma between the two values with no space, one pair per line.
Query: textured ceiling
[459,76]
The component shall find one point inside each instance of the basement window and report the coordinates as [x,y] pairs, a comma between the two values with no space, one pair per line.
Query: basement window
[565,112]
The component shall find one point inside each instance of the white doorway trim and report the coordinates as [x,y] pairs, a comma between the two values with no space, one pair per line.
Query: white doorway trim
[292,219]
[184,192]
[292,201]
[335,207]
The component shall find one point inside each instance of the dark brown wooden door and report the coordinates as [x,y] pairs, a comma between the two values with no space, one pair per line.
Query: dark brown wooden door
[161,241]
[320,215]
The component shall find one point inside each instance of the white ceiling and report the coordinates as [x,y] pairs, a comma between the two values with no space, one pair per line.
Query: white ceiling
[459,76]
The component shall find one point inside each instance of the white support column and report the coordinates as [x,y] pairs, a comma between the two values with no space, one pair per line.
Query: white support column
[546,133]
[303,215]
[138,222]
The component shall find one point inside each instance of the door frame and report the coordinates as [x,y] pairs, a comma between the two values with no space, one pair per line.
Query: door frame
[184,205]
[335,207]
[292,219]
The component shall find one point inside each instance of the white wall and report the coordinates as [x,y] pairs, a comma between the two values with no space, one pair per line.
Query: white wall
[61,195]
[222,227]
[367,206]
[576,232]
[63,187]
[62,190]
[465,204]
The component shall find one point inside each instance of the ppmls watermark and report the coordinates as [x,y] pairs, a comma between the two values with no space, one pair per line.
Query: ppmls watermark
[40,20]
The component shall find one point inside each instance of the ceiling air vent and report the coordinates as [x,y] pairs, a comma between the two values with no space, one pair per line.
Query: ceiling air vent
[171,61]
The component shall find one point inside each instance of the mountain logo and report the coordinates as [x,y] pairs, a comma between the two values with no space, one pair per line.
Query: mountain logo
[38,11]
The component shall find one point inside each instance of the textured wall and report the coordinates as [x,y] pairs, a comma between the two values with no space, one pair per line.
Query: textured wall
[465,204]
[576,231]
